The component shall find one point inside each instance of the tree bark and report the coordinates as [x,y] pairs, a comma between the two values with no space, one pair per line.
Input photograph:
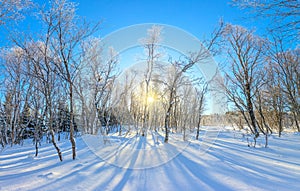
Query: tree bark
[198,127]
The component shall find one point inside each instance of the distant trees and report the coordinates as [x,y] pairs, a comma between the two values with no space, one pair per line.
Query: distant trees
[175,102]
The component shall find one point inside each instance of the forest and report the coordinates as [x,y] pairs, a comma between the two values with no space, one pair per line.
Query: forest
[62,82]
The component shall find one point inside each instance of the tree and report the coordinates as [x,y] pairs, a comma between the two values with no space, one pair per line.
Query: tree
[95,82]
[201,91]
[67,31]
[46,81]
[179,67]
[274,97]
[283,29]
[184,117]
[151,47]
[175,80]
[244,77]
[37,102]
[12,10]
[284,15]
[287,66]
[17,90]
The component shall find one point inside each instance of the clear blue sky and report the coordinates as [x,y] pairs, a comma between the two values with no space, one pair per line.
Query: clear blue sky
[198,17]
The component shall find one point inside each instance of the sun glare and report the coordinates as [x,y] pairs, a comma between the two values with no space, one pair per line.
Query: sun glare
[150,99]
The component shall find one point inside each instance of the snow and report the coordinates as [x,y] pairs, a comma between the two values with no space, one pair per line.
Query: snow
[219,162]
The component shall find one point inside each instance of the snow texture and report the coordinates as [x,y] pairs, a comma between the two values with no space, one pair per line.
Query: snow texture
[225,163]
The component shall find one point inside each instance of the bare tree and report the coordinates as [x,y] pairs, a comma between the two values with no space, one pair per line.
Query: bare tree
[12,10]
[67,32]
[180,67]
[186,108]
[151,46]
[37,102]
[95,82]
[17,91]
[201,91]
[175,80]
[284,15]
[46,80]
[244,78]
[105,79]
[57,57]
[274,97]
[284,29]
[287,66]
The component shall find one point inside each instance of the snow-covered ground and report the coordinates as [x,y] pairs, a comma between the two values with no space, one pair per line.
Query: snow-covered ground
[145,163]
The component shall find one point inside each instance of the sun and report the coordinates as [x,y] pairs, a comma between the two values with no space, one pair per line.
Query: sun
[150,99]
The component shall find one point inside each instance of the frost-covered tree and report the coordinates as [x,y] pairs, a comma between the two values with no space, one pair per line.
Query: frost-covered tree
[12,10]
[284,15]
[201,91]
[17,91]
[95,83]
[286,64]
[153,54]
[172,83]
[244,76]
[45,82]
[67,31]
[56,56]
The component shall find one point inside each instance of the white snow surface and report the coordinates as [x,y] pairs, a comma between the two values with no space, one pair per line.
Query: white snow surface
[224,163]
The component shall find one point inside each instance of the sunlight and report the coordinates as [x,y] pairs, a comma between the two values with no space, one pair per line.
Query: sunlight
[150,99]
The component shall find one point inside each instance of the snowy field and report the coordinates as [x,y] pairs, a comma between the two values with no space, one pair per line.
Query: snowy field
[144,163]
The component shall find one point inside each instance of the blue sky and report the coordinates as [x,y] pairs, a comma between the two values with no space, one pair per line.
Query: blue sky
[198,17]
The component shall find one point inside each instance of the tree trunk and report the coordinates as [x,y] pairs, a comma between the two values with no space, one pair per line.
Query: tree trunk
[72,140]
[167,119]
[198,127]
[280,128]
[36,137]
[52,134]
[55,145]
[296,121]
[267,134]
[251,111]
[36,148]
